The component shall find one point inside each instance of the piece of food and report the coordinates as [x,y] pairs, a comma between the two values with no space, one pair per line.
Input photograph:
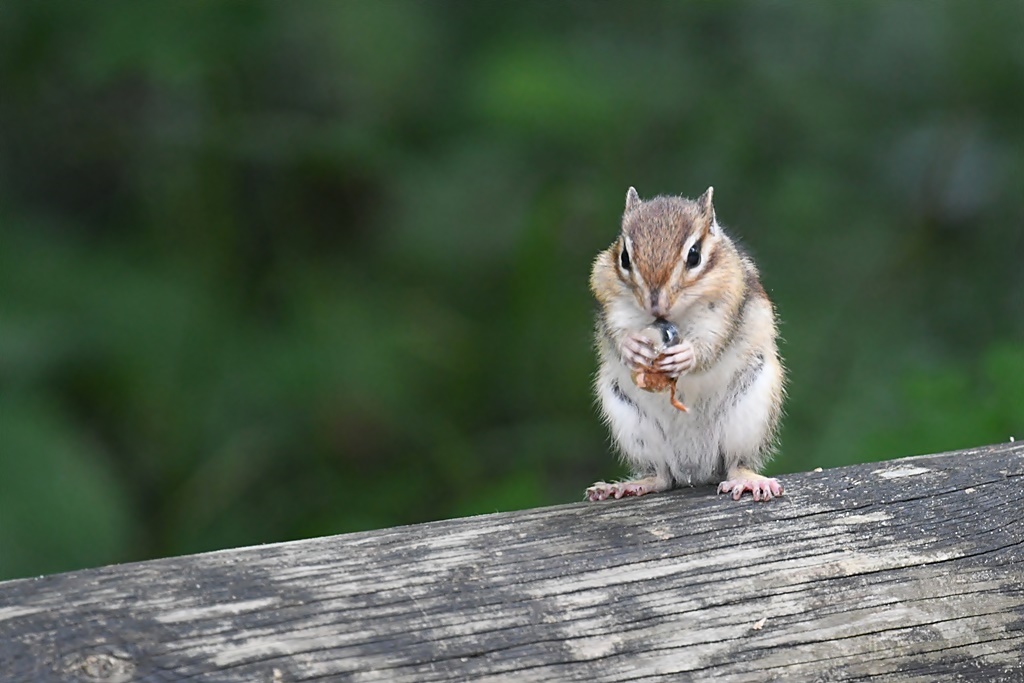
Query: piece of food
[662,334]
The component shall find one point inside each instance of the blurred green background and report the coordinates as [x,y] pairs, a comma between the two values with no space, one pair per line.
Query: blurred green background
[279,270]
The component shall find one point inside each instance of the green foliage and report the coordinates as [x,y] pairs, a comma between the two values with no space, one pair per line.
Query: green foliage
[60,503]
[957,404]
[275,270]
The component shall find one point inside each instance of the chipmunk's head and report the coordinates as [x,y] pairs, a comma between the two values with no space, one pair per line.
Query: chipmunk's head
[667,253]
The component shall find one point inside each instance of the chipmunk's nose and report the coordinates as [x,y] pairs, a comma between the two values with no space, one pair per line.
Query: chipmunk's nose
[658,304]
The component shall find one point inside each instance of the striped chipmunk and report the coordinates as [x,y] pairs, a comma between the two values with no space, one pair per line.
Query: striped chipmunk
[682,312]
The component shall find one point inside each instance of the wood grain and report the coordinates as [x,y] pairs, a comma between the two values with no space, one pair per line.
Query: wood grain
[907,570]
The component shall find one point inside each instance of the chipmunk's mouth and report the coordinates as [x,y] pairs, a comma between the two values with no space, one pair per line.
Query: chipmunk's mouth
[669,332]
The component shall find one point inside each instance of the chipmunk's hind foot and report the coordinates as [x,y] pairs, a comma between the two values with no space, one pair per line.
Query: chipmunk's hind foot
[741,479]
[603,490]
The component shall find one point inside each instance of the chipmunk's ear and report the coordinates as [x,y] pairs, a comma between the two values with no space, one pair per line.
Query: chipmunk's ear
[704,202]
[707,208]
[632,199]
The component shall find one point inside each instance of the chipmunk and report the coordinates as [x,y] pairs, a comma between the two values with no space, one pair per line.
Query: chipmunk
[674,264]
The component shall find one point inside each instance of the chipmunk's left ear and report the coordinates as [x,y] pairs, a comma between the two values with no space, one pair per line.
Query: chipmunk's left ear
[707,208]
[632,199]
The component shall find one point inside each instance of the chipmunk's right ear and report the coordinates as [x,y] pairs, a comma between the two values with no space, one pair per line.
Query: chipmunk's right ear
[632,199]
[705,204]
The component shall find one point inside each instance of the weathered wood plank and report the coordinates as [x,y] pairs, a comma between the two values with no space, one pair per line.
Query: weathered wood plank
[908,570]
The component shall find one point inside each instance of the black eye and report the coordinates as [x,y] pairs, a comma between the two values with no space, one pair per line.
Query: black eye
[693,258]
[624,259]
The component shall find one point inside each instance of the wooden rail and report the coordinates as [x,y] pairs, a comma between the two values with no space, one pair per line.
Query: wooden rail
[908,570]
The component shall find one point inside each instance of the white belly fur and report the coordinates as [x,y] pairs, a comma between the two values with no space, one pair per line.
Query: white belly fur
[721,429]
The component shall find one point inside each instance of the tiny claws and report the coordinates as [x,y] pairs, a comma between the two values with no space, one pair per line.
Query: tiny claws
[638,352]
[636,362]
[676,360]
[602,490]
[641,347]
[682,348]
[762,489]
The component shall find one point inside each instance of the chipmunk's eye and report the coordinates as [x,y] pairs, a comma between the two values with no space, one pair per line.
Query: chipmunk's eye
[693,258]
[624,259]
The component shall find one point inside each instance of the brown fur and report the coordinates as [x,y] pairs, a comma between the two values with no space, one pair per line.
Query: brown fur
[734,385]
[658,229]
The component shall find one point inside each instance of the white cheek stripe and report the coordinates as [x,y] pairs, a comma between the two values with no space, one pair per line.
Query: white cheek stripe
[633,271]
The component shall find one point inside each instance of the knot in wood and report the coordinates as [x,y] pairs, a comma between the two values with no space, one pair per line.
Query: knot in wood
[103,668]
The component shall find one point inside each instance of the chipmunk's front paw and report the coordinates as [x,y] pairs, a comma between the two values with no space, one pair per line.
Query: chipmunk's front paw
[676,360]
[638,351]
[761,488]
